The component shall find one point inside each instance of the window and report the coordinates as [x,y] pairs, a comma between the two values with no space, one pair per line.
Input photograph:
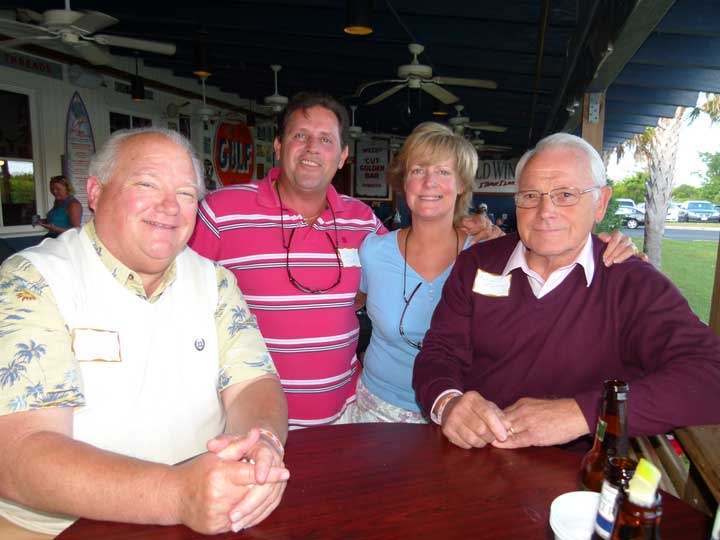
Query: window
[17,184]
[125,121]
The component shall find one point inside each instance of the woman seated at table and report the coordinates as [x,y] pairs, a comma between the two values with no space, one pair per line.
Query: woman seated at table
[404,271]
[66,212]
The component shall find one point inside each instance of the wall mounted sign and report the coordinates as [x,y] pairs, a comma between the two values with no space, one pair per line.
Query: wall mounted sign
[496,176]
[38,66]
[79,148]
[234,154]
[371,162]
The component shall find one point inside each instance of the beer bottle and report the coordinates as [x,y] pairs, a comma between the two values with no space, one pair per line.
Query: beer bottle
[641,507]
[618,471]
[611,437]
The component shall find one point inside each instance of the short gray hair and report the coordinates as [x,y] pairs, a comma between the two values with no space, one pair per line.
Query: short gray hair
[103,163]
[566,140]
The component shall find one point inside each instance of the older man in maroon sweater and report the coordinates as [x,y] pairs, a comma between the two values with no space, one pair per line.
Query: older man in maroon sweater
[528,328]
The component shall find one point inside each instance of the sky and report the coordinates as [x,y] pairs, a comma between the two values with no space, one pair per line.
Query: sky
[696,137]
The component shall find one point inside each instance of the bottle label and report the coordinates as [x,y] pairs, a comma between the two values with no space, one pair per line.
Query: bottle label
[600,432]
[607,510]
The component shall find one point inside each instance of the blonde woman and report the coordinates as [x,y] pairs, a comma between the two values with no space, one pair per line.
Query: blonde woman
[66,213]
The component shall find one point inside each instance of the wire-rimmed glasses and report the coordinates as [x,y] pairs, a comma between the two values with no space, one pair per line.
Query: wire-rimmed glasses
[563,196]
[415,344]
[292,278]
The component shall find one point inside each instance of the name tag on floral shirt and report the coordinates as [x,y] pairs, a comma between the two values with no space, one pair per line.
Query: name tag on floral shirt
[91,345]
[491,284]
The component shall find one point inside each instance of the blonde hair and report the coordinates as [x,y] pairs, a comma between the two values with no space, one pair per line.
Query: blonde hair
[62,179]
[431,142]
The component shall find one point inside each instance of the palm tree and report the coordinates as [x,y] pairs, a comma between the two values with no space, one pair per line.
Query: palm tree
[657,147]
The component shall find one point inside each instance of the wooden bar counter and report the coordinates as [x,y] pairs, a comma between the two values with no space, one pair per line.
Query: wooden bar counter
[388,481]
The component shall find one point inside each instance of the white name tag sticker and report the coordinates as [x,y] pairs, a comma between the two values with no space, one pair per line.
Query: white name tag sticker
[91,345]
[349,257]
[491,284]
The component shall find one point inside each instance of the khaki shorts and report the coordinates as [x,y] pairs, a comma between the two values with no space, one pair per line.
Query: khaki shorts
[10,531]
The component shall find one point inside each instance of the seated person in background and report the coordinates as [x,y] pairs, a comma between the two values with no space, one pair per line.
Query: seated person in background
[66,212]
[404,271]
[528,328]
[473,224]
[127,353]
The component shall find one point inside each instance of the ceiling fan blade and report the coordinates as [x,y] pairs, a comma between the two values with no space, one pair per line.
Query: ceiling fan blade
[386,94]
[439,93]
[92,21]
[17,42]
[91,53]
[158,47]
[471,83]
[486,126]
[363,87]
[20,29]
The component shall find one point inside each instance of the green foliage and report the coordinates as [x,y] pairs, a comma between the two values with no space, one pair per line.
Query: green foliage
[610,222]
[710,189]
[22,189]
[685,192]
[633,187]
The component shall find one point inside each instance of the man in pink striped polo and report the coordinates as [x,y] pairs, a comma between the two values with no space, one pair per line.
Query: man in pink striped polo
[292,242]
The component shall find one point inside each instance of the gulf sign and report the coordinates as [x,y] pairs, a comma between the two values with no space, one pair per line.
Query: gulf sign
[234,154]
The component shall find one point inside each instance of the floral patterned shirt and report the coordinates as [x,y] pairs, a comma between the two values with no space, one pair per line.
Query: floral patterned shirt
[37,365]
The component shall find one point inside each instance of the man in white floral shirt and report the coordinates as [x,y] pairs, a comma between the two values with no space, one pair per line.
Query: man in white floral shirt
[126,353]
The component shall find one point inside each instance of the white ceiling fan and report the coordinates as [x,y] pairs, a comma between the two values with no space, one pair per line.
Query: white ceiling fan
[74,32]
[417,75]
[460,122]
[276,101]
[355,131]
[479,143]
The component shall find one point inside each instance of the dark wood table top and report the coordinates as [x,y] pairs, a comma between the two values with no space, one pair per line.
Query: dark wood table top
[386,481]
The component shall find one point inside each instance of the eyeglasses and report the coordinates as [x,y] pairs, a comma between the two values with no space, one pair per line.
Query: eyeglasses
[293,280]
[564,196]
[287,245]
[416,344]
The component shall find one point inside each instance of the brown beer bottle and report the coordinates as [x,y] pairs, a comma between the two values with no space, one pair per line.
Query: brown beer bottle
[611,437]
[618,472]
[641,507]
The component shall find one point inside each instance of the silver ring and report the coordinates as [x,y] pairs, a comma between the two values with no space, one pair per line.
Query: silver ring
[511,430]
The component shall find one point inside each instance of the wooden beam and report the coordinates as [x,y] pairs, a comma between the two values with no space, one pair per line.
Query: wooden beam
[593,119]
[715,302]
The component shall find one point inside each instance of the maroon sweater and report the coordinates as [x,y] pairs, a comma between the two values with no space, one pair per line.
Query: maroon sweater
[631,323]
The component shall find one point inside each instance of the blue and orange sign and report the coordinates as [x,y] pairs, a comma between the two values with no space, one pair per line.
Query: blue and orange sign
[234,154]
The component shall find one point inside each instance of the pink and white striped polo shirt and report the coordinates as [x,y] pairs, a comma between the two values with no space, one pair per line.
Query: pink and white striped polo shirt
[312,337]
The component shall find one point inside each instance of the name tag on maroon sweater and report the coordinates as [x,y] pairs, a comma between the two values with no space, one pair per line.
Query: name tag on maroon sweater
[489,284]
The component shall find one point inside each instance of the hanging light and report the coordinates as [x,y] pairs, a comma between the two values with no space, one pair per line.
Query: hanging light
[357,17]
[441,109]
[137,85]
[200,54]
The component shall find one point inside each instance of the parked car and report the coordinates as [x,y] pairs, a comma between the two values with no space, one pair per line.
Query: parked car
[631,217]
[626,203]
[673,212]
[698,211]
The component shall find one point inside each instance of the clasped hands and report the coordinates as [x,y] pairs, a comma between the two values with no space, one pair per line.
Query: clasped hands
[471,421]
[235,485]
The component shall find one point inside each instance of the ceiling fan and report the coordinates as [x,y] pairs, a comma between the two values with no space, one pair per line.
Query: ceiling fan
[355,131]
[276,101]
[479,143]
[74,31]
[417,75]
[460,122]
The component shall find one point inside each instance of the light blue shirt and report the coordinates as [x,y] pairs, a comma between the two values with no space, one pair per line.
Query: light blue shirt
[389,359]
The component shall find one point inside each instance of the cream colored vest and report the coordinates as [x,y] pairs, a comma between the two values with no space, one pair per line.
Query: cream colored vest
[160,402]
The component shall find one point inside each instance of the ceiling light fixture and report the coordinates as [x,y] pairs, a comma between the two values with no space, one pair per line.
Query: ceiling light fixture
[200,54]
[357,17]
[441,109]
[137,85]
